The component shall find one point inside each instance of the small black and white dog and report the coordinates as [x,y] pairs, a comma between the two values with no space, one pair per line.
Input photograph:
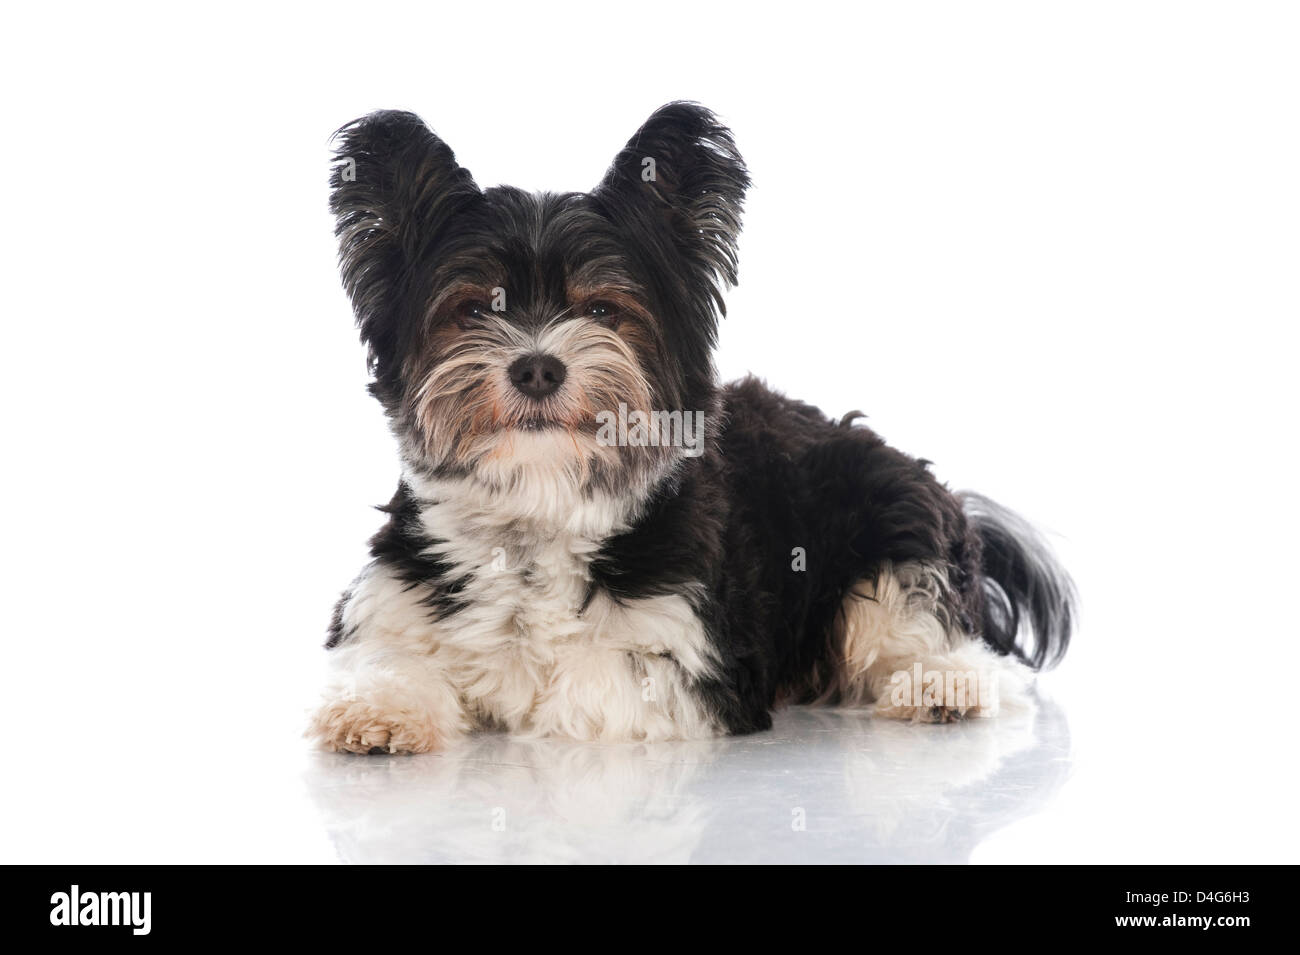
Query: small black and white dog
[591,537]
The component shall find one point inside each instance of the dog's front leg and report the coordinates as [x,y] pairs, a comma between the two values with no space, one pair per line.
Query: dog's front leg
[388,690]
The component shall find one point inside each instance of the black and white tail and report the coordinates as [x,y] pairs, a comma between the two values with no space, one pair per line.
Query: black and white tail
[1030,601]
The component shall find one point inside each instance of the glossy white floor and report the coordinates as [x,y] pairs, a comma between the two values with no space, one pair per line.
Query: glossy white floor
[824,786]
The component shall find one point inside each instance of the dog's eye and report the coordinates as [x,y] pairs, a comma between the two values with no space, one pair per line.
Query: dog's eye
[471,312]
[606,313]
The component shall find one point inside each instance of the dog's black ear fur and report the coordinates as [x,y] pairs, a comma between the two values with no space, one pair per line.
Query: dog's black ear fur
[393,188]
[682,178]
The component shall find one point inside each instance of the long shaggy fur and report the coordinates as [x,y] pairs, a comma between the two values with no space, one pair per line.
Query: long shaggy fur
[536,576]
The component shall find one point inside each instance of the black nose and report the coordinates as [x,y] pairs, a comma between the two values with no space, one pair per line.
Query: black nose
[537,375]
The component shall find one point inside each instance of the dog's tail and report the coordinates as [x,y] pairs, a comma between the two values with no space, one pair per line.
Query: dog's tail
[1027,592]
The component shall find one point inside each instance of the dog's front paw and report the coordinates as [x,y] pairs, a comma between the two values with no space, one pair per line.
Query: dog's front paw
[360,726]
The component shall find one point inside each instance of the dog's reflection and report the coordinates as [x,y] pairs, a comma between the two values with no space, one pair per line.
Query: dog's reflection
[826,785]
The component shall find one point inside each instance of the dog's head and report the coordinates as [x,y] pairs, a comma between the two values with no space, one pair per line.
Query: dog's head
[501,325]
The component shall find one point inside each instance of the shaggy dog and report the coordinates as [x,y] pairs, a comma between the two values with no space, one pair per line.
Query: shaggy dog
[592,537]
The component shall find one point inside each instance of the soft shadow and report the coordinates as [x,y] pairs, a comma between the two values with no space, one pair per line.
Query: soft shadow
[826,785]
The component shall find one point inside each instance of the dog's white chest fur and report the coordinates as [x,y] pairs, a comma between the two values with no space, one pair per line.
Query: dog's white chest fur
[527,649]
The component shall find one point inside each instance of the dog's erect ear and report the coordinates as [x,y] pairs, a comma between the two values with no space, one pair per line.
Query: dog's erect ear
[394,187]
[681,174]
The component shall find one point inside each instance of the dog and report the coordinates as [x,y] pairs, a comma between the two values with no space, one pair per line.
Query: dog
[594,539]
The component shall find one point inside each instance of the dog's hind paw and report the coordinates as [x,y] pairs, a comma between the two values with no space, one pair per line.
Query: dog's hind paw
[932,714]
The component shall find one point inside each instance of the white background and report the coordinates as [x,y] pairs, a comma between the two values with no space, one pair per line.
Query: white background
[1051,247]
